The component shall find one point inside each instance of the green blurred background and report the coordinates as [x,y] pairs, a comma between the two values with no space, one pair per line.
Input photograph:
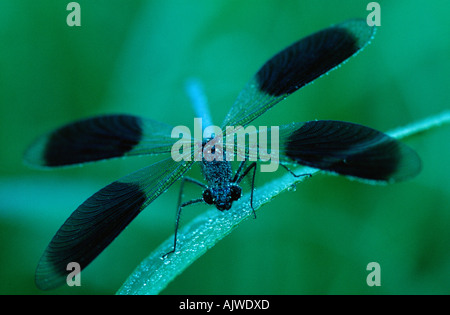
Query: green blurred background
[135,56]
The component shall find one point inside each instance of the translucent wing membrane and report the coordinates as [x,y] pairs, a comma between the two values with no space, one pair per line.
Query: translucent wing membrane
[100,138]
[95,224]
[296,66]
[348,149]
[335,146]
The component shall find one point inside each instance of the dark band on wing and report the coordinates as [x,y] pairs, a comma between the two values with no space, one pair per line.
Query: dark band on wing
[87,140]
[88,231]
[93,139]
[352,150]
[312,56]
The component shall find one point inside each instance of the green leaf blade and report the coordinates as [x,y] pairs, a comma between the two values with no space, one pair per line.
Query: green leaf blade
[198,236]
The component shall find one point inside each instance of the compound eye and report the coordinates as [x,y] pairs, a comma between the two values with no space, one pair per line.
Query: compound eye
[235,192]
[207,196]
